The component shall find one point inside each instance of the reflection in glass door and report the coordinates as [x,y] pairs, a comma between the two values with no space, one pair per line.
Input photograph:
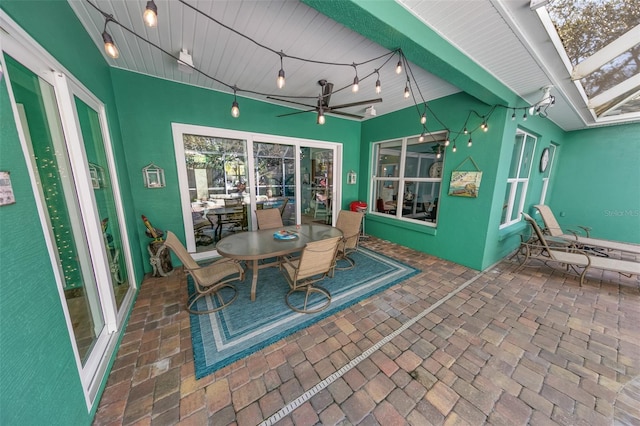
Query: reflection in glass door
[216,173]
[102,185]
[317,193]
[275,166]
[41,125]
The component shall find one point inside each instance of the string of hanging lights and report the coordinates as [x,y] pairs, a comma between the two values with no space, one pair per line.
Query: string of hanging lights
[150,18]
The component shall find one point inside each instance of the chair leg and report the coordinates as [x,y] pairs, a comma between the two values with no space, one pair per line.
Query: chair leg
[218,295]
[350,261]
[308,290]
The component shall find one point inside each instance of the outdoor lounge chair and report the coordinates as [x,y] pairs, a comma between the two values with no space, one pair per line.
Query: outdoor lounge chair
[313,265]
[207,280]
[562,252]
[553,228]
[349,223]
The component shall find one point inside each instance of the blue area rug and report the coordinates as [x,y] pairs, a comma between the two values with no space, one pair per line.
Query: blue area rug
[245,327]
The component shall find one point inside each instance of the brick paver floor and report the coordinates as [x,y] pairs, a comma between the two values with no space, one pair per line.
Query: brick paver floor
[511,347]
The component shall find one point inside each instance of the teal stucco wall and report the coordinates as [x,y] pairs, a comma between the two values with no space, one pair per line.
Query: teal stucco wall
[148,106]
[39,380]
[596,182]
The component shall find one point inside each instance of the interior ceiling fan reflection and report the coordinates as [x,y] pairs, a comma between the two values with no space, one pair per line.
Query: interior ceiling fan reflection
[323,100]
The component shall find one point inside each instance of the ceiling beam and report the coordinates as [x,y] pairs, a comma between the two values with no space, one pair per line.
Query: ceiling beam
[392,26]
[629,86]
[607,53]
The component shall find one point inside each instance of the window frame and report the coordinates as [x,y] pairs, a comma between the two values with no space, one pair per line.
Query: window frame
[513,182]
[546,175]
[400,179]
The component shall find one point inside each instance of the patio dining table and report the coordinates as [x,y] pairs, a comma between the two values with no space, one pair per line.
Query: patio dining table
[254,246]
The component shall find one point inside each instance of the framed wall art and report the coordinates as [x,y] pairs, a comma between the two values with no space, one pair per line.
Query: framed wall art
[465,183]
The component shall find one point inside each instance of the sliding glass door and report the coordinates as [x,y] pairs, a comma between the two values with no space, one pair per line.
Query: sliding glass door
[275,178]
[317,193]
[62,128]
[218,167]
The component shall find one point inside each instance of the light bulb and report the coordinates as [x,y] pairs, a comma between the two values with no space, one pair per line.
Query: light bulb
[438,155]
[470,142]
[423,118]
[454,149]
[513,117]
[421,138]
[447,142]
[378,87]
[355,86]
[150,15]
[406,92]
[465,131]
[399,67]
[321,119]
[109,46]
[524,117]
[280,81]
[235,110]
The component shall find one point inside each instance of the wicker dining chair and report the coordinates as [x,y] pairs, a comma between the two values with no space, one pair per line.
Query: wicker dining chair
[314,264]
[207,280]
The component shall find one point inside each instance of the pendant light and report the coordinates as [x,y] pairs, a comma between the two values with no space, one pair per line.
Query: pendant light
[235,109]
[150,15]
[109,45]
[280,80]
[378,86]
[355,87]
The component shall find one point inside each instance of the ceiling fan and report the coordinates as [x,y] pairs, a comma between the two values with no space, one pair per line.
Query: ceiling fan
[323,102]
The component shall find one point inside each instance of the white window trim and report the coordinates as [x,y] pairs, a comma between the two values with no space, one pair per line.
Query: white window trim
[401,179]
[545,180]
[513,182]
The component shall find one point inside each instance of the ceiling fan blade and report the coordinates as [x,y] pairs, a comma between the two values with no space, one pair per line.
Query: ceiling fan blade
[294,113]
[346,114]
[352,104]
[292,102]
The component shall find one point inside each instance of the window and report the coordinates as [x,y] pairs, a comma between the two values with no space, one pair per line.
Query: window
[547,173]
[518,179]
[408,176]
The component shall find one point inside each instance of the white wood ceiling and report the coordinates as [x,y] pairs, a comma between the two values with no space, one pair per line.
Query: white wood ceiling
[491,32]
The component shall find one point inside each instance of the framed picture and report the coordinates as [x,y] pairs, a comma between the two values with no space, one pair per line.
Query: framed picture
[96,174]
[465,184]
[6,190]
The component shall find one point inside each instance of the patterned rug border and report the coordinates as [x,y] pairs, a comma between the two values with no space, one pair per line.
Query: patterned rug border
[196,334]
